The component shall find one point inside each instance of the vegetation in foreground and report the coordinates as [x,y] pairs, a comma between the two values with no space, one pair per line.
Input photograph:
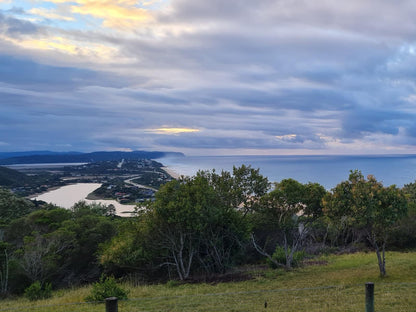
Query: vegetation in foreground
[205,227]
[329,283]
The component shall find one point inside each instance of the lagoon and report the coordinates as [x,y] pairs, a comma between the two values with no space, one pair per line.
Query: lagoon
[68,195]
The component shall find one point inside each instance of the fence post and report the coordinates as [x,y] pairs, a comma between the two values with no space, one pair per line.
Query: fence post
[111,304]
[369,297]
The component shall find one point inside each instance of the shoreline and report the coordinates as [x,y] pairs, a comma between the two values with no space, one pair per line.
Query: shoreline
[68,195]
[49,189]
[172,172]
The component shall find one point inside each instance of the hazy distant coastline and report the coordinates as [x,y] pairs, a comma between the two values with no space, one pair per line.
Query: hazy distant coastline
[326,170]
[78,157]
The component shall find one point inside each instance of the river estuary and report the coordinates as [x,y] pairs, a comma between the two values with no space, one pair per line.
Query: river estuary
[69,195]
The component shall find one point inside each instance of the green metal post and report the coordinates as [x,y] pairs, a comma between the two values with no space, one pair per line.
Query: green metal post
[369,297]
[111,304]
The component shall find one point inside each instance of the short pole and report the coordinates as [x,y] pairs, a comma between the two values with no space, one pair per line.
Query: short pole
[111,304]
[369,297]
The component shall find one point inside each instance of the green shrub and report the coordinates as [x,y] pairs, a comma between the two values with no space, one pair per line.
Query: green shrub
[107,287]
[37,292]
[172,283]
[280,257]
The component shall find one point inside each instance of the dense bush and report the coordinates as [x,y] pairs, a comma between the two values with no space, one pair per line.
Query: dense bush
[279,256]
[36,291]
[107,287]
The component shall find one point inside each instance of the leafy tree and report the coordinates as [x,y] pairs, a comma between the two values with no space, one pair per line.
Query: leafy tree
[195,224]
[4,268]
[41,254]
[286,212]
[133,249]
[368,206]
[83,208]
[12,207]
[240,190]
[312,200]
[404,231]
[88,230]
[410,191]
[61,245]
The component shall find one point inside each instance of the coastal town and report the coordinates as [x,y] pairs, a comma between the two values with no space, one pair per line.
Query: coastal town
[127,181]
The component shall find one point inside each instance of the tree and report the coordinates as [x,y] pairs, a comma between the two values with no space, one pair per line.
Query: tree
[40,255]
[176,214]
[61,245]
[89,230]
[404,231]
[133,248]
[195,224]
[287,211]
[4,268]
[13,207]
[197,229]
[240,190]
[368,206]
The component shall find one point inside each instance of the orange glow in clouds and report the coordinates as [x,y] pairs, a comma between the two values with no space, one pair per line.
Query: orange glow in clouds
[173,130]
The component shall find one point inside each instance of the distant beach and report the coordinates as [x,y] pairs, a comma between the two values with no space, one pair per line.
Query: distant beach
[173,173]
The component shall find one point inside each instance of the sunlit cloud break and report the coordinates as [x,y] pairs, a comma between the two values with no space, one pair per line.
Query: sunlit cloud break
[50,14]
[117,14]
[172,130]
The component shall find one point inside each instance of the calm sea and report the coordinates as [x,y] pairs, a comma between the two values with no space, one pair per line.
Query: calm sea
[326,170]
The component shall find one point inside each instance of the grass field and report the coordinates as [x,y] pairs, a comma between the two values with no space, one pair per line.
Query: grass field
[334,283]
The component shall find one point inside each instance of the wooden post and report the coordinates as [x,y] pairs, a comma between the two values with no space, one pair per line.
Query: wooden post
[369,297]
[111,304]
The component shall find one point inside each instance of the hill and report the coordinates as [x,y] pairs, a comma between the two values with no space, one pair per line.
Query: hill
[13,178]
[4,155]
[76,157]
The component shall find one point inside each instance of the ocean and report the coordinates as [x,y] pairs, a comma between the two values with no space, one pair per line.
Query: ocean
[325,170]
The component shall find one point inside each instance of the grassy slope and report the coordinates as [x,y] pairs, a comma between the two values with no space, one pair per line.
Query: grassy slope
[304,289]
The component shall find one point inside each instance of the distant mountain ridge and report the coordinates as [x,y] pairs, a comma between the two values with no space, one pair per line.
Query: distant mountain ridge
[4,155]
[43,157]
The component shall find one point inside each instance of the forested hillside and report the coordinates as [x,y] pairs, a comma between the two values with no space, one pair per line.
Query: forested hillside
[202,227]
[12,178]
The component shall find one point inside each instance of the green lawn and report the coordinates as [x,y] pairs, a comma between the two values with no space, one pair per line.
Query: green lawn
[335,284]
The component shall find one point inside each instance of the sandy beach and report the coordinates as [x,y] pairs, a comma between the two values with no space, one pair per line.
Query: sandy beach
[172,172]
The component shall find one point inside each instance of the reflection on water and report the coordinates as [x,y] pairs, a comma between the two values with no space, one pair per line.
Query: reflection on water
[69,195]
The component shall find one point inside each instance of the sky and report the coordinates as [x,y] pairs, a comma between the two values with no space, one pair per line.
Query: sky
[235,77]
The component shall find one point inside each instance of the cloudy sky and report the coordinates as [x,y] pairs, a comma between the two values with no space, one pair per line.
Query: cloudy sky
[209,77]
